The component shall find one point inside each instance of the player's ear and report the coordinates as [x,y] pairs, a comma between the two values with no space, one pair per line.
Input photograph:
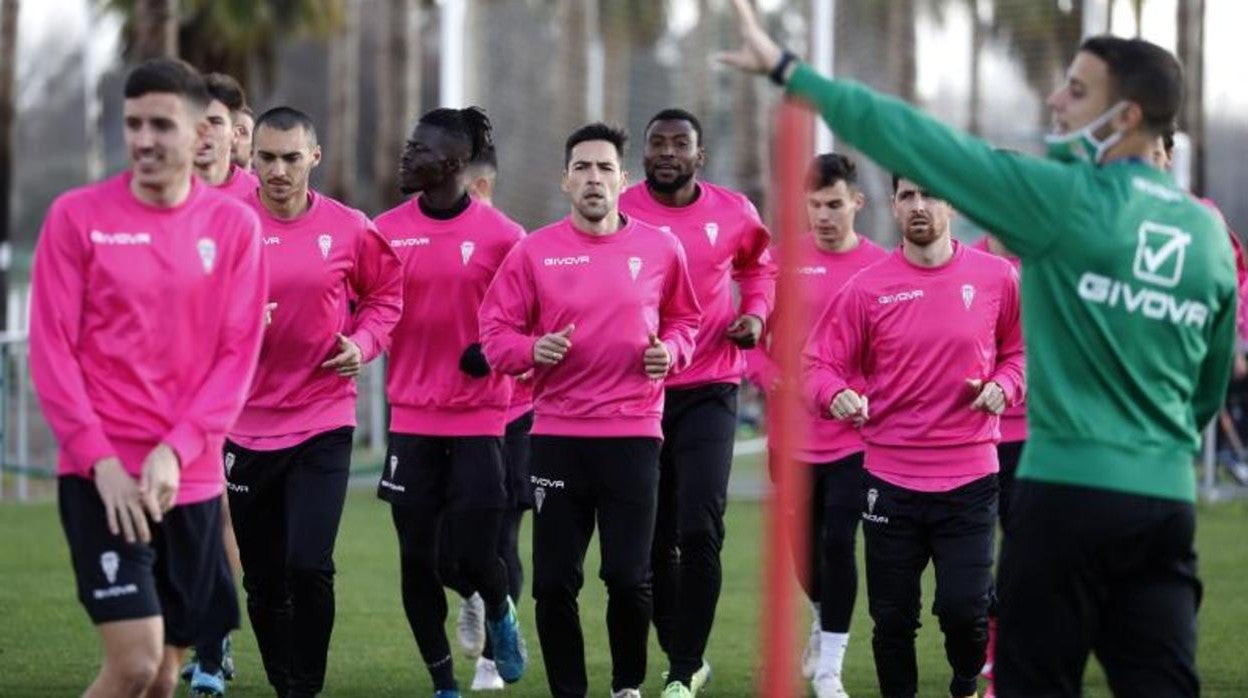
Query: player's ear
[316,155]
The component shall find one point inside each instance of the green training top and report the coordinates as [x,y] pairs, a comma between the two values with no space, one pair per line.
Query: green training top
[1128,288]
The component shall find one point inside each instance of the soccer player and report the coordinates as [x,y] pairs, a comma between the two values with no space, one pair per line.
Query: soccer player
[448,405]
[337,289]
[933,329]
[600,306]
[146,320]
[1129,314]
[828,257]
[214,156]
[481,174]
[212,662]
[244,124]
[724,241]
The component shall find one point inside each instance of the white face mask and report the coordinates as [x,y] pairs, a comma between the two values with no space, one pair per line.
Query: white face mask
[1082,145]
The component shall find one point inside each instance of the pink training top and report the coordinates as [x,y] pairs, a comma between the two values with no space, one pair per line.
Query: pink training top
[1241,270]
[239,183]
[145,327]
[447,266]
[724,241]
[318,262]
[820,275]
[1014,419]
[617,290]
[918,334]
[521,397]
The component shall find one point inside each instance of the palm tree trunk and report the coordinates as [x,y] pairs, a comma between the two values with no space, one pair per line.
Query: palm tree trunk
[573,69]
[155,29]
[975,95]
[900,26]
[344,106]
[1191,22]
[617,42]
[8,57]
[398,92]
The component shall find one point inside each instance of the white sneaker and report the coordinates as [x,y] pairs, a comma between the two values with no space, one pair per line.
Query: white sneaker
[828,685]
[470,628]
[810,658]
[627,693]
[487,678]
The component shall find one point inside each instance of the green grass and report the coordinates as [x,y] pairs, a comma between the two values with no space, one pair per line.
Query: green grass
[47,646]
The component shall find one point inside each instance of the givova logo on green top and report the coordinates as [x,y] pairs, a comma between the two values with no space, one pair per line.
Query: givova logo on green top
[1160,254]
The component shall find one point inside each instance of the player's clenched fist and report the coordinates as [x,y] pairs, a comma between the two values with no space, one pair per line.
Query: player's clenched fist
[551,348]
[989,397]
[850,405]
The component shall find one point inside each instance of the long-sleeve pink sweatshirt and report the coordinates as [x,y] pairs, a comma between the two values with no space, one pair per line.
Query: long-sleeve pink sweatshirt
[447,266]
[319,261]
[239,183]
[145,327]
[616,290]
[1014,419]
[917,335]
[724,241]
[821,274]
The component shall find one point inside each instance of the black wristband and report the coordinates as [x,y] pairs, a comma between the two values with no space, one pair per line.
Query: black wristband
[777,74]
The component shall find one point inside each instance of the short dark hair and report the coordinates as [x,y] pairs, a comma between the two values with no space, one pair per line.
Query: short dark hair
[487,159]
[285,119]
[896,180]
[225,90]
[597,131]
[246,110]
[677,115]
[829,168]
[471,124]
[1167,139]
[1144,73]
[167,76]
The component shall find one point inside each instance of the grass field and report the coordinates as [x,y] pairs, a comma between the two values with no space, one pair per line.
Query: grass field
[47,646]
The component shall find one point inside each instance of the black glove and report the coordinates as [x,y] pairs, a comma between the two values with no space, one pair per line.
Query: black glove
[473,362]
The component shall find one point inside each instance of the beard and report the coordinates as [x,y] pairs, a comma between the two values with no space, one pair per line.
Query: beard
[668,187]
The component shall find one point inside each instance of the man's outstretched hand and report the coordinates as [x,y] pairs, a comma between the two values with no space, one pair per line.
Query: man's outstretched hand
[758,53]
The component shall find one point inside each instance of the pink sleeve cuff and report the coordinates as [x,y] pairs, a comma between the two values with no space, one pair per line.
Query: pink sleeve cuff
[1009,386]
[187,441]
[89,448]
[369,347]
[756,307]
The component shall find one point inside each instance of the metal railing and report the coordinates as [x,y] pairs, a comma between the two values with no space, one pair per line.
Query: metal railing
[28,450]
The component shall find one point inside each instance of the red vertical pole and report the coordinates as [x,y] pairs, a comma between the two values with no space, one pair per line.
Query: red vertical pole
[791,155]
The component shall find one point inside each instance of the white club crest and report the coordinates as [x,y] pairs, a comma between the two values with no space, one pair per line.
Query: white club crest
[466,249]
[394,465]
[634,267]
[109,562]
[229,463]
[872,495]
[325,242]
[665,228]
[968,295]
[207,253]
[539,496]
[712,232]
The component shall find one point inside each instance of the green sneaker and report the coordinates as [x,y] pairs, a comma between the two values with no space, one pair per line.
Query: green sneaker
[677,689]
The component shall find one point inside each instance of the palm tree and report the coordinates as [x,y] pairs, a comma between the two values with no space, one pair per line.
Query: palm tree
[398,91]
[1042,36]
[8,59]
[572,72]
[230,37]
[344,106]
[155,29]
[1191,23]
